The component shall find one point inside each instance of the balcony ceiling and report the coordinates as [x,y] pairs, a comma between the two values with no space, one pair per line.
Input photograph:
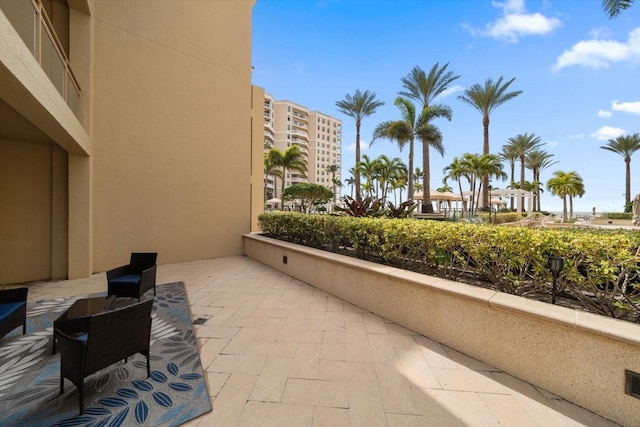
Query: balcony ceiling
[14,127]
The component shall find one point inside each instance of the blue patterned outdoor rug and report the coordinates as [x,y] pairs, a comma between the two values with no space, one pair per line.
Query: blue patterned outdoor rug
[120,395]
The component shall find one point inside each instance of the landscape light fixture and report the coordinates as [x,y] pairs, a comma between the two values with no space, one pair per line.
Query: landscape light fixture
[555,265]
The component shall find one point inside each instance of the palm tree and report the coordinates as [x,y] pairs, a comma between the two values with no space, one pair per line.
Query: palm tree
[576,190]
[351,181]
[614,7]
[271,168]
[417,174]
[566,184]
[333,170]
[369,168]
[398,181]
[521,145]
[625,146]
[359,106]
[431,138]
[457,170]
[401,131]
[387,170]
[490,166]
[509,154]
[424,88]
[486,99]
[290,160]
[475,167]
[538,160]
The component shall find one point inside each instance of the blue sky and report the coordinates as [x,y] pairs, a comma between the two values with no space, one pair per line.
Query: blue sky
[579,72]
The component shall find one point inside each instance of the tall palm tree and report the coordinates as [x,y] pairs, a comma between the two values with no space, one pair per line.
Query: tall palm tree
[625,146]
[359,106]
[566,184]
[486,99]
[402,131]
[424,88]
[333,170]
[290,160]
[614,7]
[521,145]
[271,168]
[538,160]
[431,138]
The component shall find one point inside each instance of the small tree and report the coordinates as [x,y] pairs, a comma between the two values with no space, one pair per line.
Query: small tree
[308,194]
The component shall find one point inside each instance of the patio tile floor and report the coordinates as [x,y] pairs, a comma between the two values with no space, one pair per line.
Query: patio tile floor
[279,352]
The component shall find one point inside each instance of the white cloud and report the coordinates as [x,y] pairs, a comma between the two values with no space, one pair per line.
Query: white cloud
[604,114]
[450,91]
[597,53]
[516,22]
[600,33]
[576,136]
[552,143]
[627,107]
[364,146]
[606,133]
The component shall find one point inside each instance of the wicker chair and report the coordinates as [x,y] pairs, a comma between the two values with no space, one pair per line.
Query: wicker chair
[13,310]
[106,338]
[134,279]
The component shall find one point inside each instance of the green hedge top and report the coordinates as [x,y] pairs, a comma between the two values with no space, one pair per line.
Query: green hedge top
[600,271]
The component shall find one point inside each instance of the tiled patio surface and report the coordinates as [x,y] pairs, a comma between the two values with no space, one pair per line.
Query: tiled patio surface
[278,352]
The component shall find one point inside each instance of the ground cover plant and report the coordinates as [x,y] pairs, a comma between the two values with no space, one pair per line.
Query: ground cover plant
[600,274]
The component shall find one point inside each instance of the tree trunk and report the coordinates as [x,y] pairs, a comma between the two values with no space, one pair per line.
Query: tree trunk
[357,167]
[410,174]
[485,150]
[522,182]
[426,180]
[627,182]
[570,206]
[513,176]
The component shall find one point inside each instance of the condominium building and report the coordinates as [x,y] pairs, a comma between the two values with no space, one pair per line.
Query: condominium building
[318,136]
[120,124]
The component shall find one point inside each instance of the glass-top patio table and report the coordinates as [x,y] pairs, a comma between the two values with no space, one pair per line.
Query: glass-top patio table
[69,321]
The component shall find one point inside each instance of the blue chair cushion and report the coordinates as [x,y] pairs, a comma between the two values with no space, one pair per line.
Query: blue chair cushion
[127,278]
[8,308]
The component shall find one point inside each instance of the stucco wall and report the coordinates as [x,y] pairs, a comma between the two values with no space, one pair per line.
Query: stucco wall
[33,199]
[171,129]
[579,356]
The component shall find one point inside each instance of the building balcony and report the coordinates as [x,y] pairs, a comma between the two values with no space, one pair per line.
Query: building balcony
[34,27]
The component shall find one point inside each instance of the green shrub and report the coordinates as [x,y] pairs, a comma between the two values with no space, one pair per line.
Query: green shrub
[600,273]
[619,215]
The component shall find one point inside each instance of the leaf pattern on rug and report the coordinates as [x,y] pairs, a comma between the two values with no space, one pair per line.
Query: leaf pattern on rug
[117,395]
[13,369]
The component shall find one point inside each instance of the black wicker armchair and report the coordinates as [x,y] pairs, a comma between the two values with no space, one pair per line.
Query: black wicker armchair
[134,279]
[105,339]
[13,310]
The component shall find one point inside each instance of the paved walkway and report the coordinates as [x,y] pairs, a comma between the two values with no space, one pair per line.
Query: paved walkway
[279,352]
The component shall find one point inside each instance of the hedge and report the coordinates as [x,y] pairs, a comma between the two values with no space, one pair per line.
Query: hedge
[600,271]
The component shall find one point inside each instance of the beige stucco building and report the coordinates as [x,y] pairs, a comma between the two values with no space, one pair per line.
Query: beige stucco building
[120,124]
[318,136]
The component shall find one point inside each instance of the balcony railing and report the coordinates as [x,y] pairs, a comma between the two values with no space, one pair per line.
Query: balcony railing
[36,30]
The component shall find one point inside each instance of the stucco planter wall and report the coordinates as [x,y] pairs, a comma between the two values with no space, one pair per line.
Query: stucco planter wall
[579,356]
